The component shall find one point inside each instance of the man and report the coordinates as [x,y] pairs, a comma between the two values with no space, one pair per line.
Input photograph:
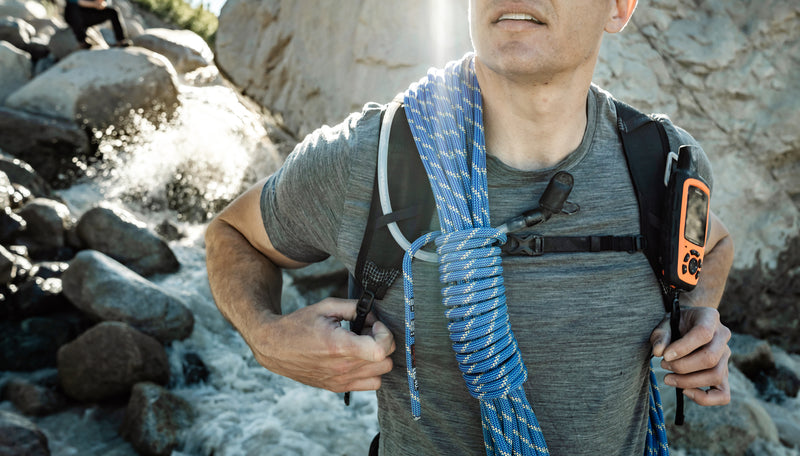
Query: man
[82,14]
[584,322]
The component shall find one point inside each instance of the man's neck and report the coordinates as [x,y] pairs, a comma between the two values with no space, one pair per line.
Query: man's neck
[531,126]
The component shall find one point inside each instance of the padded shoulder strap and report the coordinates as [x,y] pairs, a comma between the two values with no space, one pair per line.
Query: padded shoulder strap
[380,258]
[646,146]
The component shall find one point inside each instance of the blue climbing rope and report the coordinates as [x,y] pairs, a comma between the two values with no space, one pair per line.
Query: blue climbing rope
[445,113]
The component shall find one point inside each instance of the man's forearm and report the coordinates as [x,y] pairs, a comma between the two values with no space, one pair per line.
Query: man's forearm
[245,284]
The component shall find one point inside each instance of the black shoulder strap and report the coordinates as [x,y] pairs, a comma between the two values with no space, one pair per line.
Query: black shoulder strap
[380,258]
[646,146]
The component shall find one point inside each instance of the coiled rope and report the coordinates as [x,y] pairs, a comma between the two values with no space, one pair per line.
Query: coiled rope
[445,113]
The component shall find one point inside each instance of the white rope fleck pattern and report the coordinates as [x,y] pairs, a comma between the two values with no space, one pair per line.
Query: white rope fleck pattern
[444,111]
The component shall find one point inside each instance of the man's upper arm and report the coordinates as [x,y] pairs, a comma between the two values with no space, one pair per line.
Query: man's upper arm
[244,215]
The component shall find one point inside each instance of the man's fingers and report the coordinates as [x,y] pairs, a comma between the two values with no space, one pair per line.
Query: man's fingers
[660,337]
[706,357]
[371,347]
[717,395]
[704,323]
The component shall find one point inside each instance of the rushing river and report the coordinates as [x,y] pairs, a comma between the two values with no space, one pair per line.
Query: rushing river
[242,409]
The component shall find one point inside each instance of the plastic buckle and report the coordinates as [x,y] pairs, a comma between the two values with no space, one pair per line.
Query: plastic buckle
[363,307]
[638,244]
[531,245]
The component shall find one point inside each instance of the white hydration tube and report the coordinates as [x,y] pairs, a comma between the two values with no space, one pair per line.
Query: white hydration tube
[383,183]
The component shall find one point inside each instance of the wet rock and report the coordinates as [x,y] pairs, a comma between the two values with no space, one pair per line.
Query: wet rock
[16,31]
[185,49]
[154,419]
[103,88]
[6,191]
[15,69]
[32,344]
[108,291]
[108,359]
[8,266]
[21,437]
[54,151]
[194,370]
[48,269]
[11,225]
[21,173]
[170,231]
[33,399]
[36,296]
[47,223]
[118,234]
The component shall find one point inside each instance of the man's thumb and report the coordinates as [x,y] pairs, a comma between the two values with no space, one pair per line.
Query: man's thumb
[660,337]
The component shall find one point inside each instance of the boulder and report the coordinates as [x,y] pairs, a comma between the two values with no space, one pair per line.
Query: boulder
[15,69]
[16,31]
[185,49]
[36,296]
[33,399]
[108,291]
[19,436]
[11,225]
[47,223]
[103,88]
[22,174]
[118,234]
[27,10]
[154,419]
[32,344]
[107,360]
[281,53]
[52,151]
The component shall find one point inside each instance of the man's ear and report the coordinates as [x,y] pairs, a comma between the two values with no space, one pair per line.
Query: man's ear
[621,12]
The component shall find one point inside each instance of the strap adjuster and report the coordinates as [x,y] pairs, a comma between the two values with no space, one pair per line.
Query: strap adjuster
[363,307]
[529,244]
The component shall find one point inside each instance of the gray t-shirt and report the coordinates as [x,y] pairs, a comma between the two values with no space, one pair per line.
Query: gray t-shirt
[582,320]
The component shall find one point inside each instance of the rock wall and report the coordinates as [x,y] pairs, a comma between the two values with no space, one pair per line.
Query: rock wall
[724,70]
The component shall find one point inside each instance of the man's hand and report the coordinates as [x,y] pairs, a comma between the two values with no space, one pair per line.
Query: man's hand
[699,359]
[310,346]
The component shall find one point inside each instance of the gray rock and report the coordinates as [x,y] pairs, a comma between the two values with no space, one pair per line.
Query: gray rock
[185,49]
[751,355]
[8,266]
[21,437]
[11,224]
[118,234]
[33,399]
[15,69]
[154,419]
[25,10]
[44,64]
[63,43]
[6,191]
[101,88]
[107,360]
[47,223]
[33,343]
[108,291]
[16,31]
[21,173]
[51,151]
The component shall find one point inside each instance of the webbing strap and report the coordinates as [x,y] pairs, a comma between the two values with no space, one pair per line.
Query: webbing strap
[535,245]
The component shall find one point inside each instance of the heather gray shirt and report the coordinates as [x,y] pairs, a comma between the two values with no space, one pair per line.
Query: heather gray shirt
[582,320]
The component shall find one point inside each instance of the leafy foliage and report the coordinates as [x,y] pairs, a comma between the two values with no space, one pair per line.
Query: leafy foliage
[179,12]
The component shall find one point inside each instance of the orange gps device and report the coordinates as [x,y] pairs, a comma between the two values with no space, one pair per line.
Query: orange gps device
[687,223]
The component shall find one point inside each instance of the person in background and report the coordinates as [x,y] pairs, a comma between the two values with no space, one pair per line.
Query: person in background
[82,14]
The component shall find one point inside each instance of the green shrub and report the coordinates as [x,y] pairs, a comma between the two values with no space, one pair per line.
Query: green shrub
[179,12]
